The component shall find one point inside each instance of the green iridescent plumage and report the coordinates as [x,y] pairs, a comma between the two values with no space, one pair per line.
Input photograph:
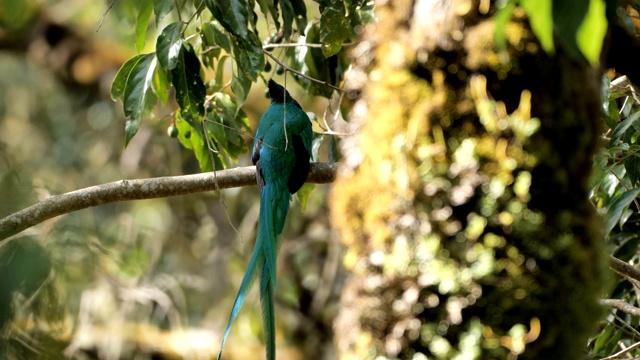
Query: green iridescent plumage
[281,155]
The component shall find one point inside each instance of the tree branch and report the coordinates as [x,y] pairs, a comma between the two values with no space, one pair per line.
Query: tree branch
[625,269]
[622,306]
[138,189]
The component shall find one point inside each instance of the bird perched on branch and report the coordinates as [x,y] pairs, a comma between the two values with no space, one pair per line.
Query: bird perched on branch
[281,153]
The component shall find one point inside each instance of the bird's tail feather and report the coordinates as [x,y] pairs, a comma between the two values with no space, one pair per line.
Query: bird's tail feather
[272,217]
[268,313]
[274,204]
[255,263]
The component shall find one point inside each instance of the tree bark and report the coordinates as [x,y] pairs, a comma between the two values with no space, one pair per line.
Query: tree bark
[463,200]
[139,189]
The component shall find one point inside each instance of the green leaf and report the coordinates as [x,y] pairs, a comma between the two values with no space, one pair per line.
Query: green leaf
[161,8]
[142,23]
[235,118]
[269,7]
[240,85]
[221,39]
[137,89]
[590,35]
[567,18]
[541,18]
[619,131]
[219,80]
[613,116]
[603,339]
[169,44]
[192,138]
[120,81]
[235,121]
[214,126]
[293,10]
[287,18]
[161,84]
[184,132]
[232,15]
[618,206]
[210,49]
[248,56]
[625,216]
[632,165]
[25,266]
[303,195]
[636,123]
[201,150]
[190,90]
[334,29]
[364,15]
[627,245]
[300,15]
[501,18]
[311,61]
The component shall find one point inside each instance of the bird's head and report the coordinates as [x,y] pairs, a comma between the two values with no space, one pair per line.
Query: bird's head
[277,94]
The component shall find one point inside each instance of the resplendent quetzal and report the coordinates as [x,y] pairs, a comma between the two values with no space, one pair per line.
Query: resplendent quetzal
[281,153]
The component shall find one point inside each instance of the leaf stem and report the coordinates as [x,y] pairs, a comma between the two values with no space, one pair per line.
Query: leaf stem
[290,45]
[193,15]
[105,15]
[299,73]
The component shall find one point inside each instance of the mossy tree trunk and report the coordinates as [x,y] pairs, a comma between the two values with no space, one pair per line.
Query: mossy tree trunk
[462,200]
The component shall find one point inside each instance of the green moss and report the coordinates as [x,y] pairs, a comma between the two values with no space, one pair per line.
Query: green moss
[466,222]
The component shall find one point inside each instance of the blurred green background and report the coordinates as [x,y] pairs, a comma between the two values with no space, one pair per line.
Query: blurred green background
[145,279]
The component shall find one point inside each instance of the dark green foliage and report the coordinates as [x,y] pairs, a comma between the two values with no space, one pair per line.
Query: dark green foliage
[579,26]
[190,90]
[24,266]
[614,191]
[228,29]
[169,45]
[567,18]
[133,85]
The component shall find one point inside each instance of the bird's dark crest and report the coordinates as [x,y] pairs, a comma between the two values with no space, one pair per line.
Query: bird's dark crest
[276,91]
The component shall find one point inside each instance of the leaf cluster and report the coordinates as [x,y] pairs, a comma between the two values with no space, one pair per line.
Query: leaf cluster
[190,58]
[579,27]
[614,192]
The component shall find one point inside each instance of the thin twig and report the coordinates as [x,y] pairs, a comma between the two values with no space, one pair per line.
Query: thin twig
[630,330]
[194,15]
[215,175]
[622,352]
[289,45]
[105,15]
[175,3]
[284,117]
[334,133]
[138,189]
[299,73]
[243,133]
[334,113]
